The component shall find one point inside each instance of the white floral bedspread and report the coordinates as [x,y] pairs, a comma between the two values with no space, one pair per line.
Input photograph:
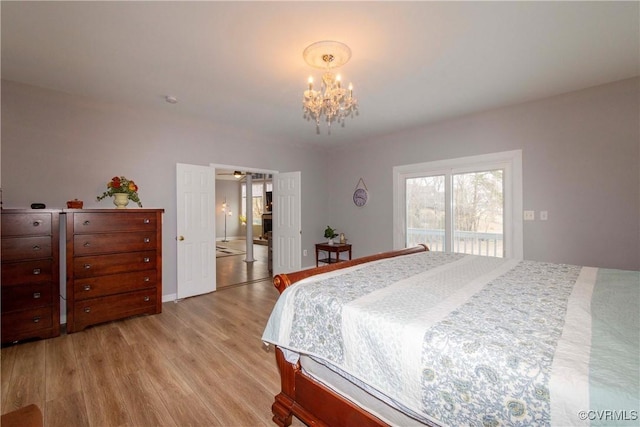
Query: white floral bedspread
[458,339]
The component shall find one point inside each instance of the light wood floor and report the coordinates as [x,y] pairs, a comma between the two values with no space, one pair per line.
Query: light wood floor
[233,270]
[199,363]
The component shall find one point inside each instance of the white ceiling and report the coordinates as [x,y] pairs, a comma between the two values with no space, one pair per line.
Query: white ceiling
[240,63]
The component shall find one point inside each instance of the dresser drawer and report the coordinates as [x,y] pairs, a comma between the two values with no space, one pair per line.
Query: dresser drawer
[100,265]
[104,309]
[87,222]
[25,322]
[18,248]
[88,244]
[26,224]
[114,283]
[26,272]
[26,297]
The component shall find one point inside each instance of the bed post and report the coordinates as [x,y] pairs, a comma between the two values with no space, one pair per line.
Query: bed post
[283,404]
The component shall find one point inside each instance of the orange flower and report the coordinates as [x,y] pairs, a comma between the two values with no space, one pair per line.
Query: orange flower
[115,182]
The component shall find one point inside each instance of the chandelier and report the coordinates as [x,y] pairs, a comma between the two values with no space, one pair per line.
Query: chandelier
[331,102]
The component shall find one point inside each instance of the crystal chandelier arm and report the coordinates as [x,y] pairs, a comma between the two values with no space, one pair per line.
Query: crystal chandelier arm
[331,100]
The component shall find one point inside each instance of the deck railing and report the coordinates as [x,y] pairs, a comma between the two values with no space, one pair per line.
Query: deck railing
[468,242]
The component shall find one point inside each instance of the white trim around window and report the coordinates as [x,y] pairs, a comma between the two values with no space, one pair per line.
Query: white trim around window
[510,161]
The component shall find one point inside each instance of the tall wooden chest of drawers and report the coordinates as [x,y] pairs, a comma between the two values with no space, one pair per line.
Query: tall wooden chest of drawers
[114,265]
[30,274]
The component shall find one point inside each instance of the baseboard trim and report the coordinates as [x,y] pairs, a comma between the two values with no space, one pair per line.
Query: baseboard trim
[169,297]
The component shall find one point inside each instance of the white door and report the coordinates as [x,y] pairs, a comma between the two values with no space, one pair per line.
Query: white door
[196,232]
[287,223]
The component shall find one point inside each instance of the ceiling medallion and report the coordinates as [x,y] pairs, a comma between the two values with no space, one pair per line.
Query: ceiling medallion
[332,102]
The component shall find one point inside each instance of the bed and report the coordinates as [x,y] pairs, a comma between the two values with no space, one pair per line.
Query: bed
[414,337]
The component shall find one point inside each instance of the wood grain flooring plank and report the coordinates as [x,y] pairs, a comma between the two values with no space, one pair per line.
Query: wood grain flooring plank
[178,397]
[150,331]
[199,317]
[8,355]
[86,343]
[143,404]
[229,377]
[227,405]
[102,396]
[262,363]
[66,410]
[61,368]
[26,384]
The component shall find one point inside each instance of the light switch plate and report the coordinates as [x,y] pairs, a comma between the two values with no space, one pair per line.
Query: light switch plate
[529,215]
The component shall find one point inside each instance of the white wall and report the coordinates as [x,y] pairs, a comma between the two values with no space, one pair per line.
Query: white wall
[580,157]
[231,192]
[580,163]
[57,147]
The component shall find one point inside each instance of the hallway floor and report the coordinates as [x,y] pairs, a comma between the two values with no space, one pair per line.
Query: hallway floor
[232,270]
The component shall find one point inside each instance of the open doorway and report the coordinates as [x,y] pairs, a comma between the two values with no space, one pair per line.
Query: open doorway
[236,264]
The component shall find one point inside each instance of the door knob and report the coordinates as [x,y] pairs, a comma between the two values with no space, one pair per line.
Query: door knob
[181,238]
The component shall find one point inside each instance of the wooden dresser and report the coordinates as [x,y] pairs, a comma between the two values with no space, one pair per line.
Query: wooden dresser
[30,274]
[114,265]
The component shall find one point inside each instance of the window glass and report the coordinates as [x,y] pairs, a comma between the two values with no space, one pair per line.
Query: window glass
[469,205]
[478,207]
[426,211]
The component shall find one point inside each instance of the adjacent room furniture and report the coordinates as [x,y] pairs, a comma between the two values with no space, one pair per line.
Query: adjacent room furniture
[114,265]
[326,249]
[267,225]
[30,274]
[270,251]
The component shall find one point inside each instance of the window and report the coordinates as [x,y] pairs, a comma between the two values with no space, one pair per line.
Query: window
[258,192]
[470,205]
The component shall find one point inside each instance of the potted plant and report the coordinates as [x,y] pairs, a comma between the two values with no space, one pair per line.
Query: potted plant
[122,190]
[330,234]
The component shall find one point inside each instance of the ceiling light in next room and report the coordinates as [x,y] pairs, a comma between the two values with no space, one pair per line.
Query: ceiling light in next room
[331,102]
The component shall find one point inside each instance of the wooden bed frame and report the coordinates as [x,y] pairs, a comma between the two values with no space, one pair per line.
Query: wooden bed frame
[310,401]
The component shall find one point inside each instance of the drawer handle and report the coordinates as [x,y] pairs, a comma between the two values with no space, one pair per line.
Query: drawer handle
[87,266]
[36,247]
[37,223]
[36,319]
[147,240]
[146,299]
[86,287]
[36,295]
[146,278]
[87,309]
[146,259]
[87,222]
[86,244]
[147,221]
[36,271]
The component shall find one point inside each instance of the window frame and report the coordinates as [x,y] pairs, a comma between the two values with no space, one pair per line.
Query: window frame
[510,161]
[264,182]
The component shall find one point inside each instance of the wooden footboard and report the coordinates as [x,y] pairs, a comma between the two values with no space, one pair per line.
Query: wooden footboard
[305,398]
[283,281]
[313,403]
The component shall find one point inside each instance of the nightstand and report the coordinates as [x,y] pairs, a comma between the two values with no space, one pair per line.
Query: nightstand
[336,248]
